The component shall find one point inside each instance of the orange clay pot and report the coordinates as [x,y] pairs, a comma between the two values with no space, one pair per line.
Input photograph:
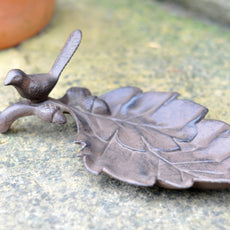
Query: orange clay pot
[21,19]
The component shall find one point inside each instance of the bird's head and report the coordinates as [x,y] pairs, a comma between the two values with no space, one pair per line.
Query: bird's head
[14,77]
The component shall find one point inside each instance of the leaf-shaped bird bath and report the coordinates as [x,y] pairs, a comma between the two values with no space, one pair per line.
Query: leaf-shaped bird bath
[140,138]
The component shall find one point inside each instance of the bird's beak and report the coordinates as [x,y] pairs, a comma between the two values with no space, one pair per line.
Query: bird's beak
[8,80]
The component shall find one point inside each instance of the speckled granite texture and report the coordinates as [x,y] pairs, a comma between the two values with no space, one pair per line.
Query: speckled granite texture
[43,185]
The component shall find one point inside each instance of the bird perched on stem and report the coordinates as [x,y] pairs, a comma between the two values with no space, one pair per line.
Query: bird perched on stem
[36,87]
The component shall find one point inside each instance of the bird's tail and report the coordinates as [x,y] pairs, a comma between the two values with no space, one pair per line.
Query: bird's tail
[66,53]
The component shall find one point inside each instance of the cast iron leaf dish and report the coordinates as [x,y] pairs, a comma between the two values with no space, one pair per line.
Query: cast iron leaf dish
[143,138]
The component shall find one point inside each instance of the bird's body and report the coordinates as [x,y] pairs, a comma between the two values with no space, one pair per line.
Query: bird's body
[36,87]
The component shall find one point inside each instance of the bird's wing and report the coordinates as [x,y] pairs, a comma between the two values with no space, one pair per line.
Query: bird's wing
[66,53]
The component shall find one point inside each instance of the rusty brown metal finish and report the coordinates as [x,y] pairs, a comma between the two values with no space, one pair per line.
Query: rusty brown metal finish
[36,87]
[140,138]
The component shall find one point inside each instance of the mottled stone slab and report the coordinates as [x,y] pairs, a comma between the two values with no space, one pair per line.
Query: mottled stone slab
[43,185]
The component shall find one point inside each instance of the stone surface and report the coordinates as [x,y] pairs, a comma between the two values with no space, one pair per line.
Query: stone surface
[216,10]
[43,185]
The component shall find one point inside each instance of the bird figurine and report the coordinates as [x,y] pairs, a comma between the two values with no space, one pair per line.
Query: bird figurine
[37,87]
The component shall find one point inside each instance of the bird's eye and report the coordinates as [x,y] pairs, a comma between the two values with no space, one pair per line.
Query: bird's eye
[17,78]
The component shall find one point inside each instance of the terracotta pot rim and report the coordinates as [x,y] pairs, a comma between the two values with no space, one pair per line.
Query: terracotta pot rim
[22,19]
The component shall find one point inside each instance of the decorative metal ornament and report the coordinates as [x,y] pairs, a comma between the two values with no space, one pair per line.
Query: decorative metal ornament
[140,138]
